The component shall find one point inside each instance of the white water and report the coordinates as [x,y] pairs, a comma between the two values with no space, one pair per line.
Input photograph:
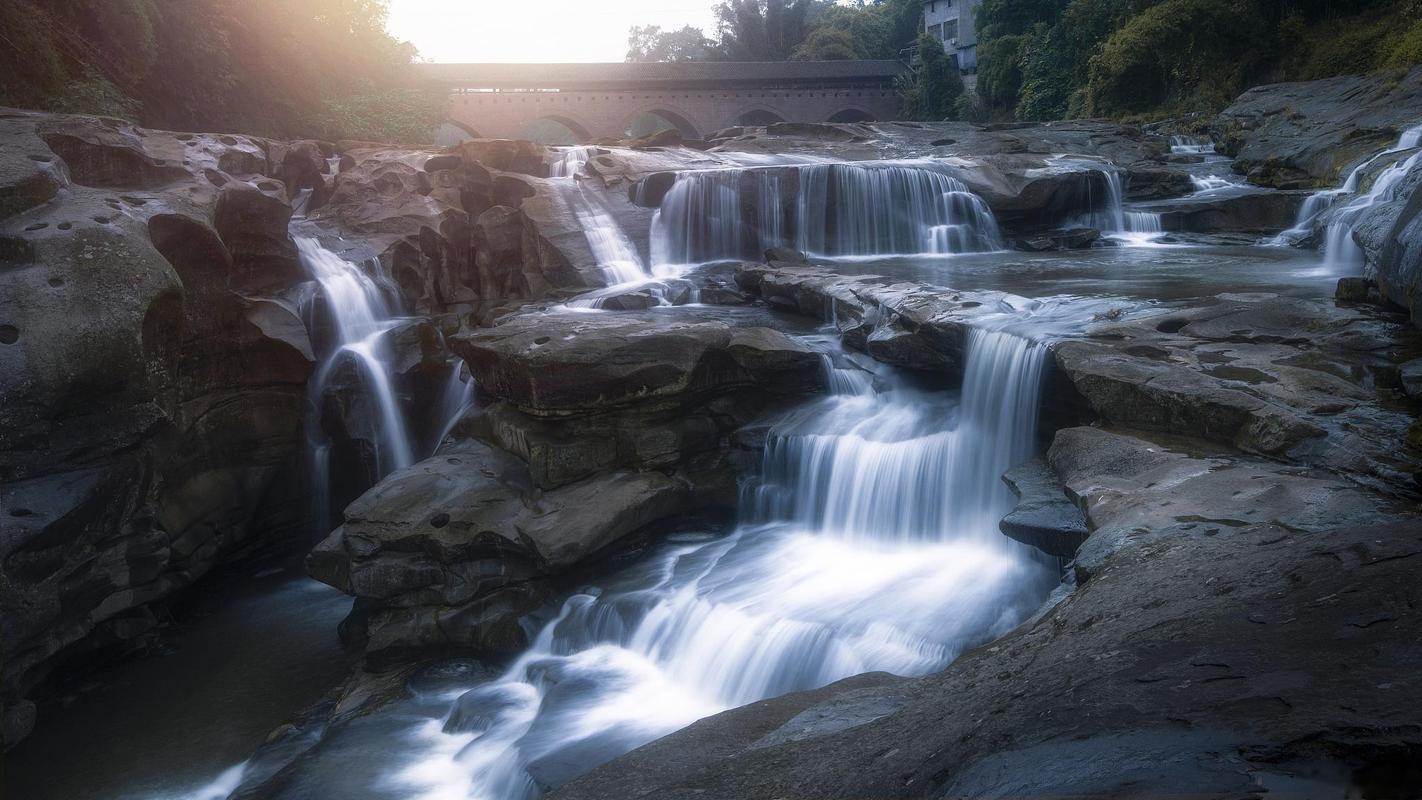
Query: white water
[861,209]
[1341,254]
[1108,214]
[869,543]
[616,255]
[1187,145]
[361,313]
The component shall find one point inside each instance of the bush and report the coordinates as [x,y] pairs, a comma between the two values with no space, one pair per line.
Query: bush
[1178,54]
[932,91]
[399,116]
[1000,70]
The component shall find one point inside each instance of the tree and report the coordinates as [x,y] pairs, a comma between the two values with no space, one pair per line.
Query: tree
[932,92]
[650,43]
[827,44]
[765,30]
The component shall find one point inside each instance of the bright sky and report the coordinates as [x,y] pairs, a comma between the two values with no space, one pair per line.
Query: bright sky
[535,30]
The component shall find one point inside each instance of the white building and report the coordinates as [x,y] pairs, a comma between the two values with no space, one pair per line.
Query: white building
[951,21]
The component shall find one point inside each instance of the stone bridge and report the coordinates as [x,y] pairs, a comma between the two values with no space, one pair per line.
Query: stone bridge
[578,103]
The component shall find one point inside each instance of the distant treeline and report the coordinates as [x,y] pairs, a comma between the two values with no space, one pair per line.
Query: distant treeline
[1047,59]
[1051,59]
[323,68]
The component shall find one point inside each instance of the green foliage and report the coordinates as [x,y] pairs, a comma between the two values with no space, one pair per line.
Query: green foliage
[405,116]
[273,67]
[765,30]
[1049,58]
[932,92]
[869,29]
[651,43]
[1000,70]
[1187,54]
[827,44]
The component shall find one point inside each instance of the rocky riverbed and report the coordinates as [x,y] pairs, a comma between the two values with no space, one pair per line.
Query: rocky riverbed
[846,353]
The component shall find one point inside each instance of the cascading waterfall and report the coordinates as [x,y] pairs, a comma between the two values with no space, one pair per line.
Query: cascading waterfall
[870,542]
[1189,145]
[1340,253]
[360,314]
[1115,220]
[616,255]
[823,209]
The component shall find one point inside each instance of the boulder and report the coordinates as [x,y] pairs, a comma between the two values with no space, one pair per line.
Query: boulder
[568,362]
[153,377]
[1390,236]
[1256,212]
[448,553]
[1310,134]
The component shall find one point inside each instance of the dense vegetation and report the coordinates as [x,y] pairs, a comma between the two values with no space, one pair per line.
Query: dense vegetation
[322,68]
[1046,59]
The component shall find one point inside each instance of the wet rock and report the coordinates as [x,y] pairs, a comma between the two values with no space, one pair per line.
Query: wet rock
[1258,211]
[253,226]
[1044,517]
[1310,134]
[151,428]
[450,552]
[1152,395]
[1134,491]
[574,362]
[1390,236]
[1073,239]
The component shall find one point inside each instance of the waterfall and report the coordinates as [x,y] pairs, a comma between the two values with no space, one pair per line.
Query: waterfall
[1340,253]
[1115,220]
[1189,145]
[616,255]
[823,209]
[360,315]
[870,542]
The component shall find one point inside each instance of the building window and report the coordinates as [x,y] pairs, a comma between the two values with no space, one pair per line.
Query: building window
[950,30]
[932,7]
[936,31]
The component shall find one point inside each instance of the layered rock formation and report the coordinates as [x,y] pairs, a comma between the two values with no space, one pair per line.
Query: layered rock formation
[1246,519]
[153,377]
[592,428]
[155,352]
[1310,134]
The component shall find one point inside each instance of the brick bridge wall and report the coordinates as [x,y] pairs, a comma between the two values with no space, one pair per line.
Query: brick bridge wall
[696,112]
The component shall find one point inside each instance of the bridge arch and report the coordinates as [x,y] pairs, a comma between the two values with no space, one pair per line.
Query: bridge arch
[557,129]
[452,131]
[660,118]
[852,114]
[759,115]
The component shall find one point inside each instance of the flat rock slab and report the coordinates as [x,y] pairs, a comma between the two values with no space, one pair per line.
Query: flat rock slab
[570,362]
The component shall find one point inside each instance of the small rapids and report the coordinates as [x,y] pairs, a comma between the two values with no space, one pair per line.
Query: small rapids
[1338,210]
[868,542]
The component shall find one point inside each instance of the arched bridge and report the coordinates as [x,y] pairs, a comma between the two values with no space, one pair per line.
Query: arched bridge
[576,103]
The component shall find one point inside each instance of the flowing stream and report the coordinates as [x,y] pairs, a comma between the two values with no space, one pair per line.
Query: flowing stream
[869,542]
[1341,255]
[868,539]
